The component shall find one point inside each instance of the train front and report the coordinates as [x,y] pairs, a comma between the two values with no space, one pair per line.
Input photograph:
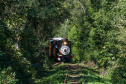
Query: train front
[60,49]
[65,51]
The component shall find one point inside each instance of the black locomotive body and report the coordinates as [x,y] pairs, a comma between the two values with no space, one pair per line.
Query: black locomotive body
[60,49]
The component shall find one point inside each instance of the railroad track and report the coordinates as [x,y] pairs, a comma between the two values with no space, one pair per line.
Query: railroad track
[74,75]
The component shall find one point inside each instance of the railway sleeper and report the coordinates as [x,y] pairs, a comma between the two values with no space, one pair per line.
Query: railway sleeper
[74,75]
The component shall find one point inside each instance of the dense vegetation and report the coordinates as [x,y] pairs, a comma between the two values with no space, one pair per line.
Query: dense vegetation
[95,27]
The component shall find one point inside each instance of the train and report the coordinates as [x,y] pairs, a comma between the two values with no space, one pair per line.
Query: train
[60,49]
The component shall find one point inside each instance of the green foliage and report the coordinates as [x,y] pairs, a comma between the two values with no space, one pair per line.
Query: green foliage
[7,76]
[25,27]
[73,36]
[92,77]
[55,75]
[98,34]
[95,28]
[119,74]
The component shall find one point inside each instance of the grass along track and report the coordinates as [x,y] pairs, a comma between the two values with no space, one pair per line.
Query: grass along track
[57,75]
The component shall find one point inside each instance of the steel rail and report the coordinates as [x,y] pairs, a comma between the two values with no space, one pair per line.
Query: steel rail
[82,75]
[66,74]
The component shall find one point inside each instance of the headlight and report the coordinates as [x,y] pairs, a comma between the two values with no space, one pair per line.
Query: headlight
[65,43]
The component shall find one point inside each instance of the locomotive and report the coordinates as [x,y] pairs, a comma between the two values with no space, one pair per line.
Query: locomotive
[60,49]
